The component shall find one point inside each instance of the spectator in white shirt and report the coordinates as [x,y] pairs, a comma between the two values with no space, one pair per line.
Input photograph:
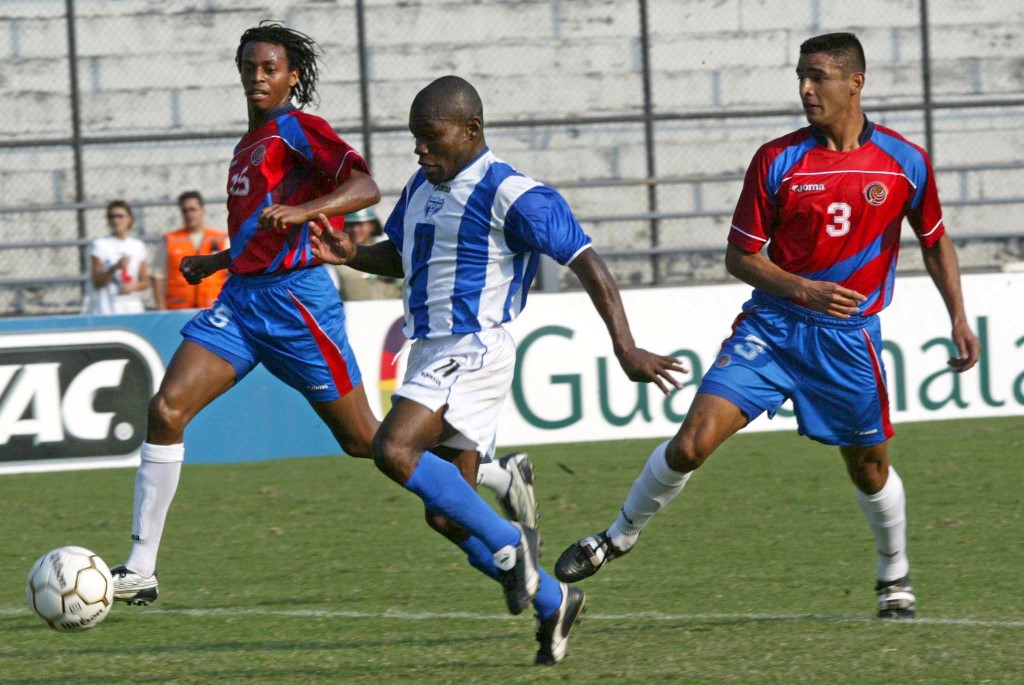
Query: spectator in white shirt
[119,271]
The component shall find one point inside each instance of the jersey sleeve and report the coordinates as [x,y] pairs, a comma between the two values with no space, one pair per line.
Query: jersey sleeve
[925,212]
[540,219]
[328,153]
[755,212]
[394,227]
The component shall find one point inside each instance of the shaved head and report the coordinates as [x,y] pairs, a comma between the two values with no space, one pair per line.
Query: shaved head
[449,97]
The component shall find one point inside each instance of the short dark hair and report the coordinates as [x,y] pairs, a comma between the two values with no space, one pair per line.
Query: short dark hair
[450,96]
[302,51]
[844,48]
[191,195]
[114,204]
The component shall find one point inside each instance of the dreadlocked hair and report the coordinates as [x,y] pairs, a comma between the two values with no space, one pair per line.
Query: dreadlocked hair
[302,51]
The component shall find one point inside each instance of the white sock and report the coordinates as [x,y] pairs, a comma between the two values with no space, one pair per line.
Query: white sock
[492,476]
[155,484]
[886,514]
[657,485]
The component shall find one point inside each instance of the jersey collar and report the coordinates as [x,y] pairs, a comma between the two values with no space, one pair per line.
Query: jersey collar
[476,159]
[276,112]
[864,139]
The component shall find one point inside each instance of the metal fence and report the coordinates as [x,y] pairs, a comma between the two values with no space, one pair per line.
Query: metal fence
[644,113]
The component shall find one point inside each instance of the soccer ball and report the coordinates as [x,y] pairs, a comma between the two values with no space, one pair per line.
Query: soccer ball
[70,588]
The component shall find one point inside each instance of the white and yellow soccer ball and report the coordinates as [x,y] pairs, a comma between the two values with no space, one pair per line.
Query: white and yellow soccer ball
[70,588]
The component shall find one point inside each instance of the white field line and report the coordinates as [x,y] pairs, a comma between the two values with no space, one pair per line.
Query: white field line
[451,615]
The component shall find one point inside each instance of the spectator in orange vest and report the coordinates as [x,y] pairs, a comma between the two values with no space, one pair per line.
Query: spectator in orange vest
[170,288]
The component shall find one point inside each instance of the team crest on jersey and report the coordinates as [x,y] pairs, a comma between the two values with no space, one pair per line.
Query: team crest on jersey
[257,155]
[434,205]
[876,192]
[723,361]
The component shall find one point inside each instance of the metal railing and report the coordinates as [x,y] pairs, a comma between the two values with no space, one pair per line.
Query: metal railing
[648,117]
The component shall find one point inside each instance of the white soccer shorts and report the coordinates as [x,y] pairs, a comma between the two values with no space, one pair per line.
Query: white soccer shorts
[472,375]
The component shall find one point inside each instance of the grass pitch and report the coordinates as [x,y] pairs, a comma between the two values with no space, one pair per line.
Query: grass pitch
[321,570]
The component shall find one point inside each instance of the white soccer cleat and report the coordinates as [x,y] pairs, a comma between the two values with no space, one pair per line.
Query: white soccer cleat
[519,503]
[131,588]
[896,599]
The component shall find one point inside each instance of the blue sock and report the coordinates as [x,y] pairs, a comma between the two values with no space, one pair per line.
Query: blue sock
[442,489]
[479,556]
[549,594]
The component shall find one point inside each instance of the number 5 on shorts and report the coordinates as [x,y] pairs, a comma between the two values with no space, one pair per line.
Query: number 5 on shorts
[750,347]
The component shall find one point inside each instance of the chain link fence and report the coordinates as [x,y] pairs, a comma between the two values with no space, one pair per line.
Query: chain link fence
[644,113]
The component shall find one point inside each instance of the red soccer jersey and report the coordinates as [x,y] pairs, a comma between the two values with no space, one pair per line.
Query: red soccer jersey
[836,216]
[291,159]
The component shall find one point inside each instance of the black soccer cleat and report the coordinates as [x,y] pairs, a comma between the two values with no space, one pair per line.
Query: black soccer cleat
[584,558]
[553,631]
[896,599]
[519,503]
[522,580]
[131,588]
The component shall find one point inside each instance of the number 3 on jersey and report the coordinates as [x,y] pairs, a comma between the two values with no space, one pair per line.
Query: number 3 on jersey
[840,224]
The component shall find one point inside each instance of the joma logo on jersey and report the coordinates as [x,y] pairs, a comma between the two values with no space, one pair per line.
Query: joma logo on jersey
[806,187]
[74,394]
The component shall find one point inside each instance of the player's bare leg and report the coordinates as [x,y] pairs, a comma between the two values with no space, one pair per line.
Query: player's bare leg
[882,498]
[401,449]
[710,421]
[194,378]
[351,421]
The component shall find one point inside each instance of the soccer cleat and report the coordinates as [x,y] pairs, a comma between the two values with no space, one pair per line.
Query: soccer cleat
[522,580]
[896,599]
[131,588]
[584,558]
[519,503]
[553,631]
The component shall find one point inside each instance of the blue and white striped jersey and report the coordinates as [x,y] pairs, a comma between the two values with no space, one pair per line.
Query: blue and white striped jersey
[471,246]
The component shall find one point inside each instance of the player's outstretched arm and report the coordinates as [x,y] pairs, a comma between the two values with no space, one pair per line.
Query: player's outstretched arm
[356,192]
[639,364]
[336,247]
[755,269]
[943,266]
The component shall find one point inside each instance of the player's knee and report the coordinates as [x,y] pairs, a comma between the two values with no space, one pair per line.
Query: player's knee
[868,476]
[387,452]
[165,416]
[686,453]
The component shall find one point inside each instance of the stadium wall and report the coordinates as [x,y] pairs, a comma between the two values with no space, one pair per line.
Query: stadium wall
[166,68]
[73,390]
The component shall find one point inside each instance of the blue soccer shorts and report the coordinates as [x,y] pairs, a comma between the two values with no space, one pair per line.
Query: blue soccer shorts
[831,368]
[292,323]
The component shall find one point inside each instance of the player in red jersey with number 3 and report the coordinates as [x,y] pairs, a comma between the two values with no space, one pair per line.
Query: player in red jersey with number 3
[828,201]
[279,307]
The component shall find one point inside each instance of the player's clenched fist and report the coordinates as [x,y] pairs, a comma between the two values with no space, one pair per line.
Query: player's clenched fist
[197,267]
[329,244]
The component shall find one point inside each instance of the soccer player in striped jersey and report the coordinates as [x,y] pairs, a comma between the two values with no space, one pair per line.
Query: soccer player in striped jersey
[828,201]
[466,236]
[278,307]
